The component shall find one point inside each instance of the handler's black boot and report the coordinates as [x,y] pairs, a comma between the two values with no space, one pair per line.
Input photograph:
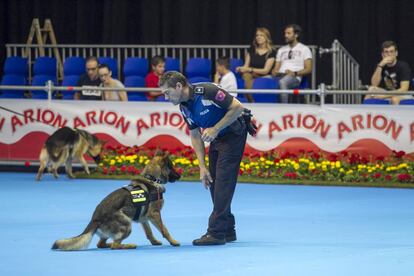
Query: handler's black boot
[231,236]
[208,239]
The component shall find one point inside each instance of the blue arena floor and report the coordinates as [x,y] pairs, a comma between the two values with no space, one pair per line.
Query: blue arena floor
[282,230]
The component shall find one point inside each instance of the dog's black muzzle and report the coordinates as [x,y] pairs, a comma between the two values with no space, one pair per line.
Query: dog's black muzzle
[97,159]
[173,176]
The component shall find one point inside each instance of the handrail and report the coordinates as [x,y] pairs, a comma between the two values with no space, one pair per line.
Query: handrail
[321,92]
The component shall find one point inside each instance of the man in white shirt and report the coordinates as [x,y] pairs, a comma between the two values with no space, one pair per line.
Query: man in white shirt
[224,76]
[293,61]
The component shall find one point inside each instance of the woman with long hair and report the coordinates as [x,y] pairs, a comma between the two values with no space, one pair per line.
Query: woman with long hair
[259,60]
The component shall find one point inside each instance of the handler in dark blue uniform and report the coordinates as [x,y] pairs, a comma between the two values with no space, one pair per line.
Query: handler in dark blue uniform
[219,115]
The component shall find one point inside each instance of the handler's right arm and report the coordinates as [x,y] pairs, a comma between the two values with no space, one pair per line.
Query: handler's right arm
[199,149]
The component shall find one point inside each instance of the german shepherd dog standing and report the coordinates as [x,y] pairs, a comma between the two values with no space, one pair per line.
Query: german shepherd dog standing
[64,145]
[113,216]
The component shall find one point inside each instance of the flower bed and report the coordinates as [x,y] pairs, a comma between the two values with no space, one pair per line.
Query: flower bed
[307,166]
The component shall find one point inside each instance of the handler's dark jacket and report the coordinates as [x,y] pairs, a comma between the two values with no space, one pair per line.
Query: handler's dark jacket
[207,105]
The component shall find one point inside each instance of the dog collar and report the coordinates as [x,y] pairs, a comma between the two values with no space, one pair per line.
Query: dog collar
[152,178]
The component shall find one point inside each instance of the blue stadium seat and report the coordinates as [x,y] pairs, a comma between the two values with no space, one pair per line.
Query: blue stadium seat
[407,102]
[240,83]
[234,63]
[241,98]
[161,99]
[16,66]
[304,84]
[45,66]
[40,80]
[135,67]
[198,79]
[69,81]
[376,101]
[112,64]
[198,67]
[135,81]
[12,80]
[74,66]
[172,64]
[265,83]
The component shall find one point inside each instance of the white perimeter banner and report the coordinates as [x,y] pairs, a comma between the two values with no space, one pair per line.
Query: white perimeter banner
[369,129]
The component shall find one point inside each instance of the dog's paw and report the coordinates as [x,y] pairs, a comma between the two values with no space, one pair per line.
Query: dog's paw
[156,242]
[175,243]
[71,176]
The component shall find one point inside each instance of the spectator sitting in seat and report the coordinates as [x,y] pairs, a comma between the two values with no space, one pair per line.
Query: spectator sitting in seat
[390,74]
[105,74]
[89,79]
[293,61]
[224,76]
[151,80]
[259,59]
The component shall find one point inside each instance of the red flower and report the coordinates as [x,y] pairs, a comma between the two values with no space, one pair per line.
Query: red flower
[276,160]
[291,175]
[333,157]
[377,175]
[353,159]
[404,177]
[388,177]
[27,164]
[380,158]
[240,172]
[316,156]
[105,170]
[399,154]
[112,169]
[123,169]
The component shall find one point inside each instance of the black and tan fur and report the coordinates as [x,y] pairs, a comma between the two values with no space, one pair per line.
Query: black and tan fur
[67,144]
[113,216]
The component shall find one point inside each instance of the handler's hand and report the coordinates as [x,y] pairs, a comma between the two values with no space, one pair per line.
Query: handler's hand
[205,177]
[209,134]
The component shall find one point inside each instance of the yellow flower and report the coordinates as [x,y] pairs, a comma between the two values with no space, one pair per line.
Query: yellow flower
[338,164]
[112,162]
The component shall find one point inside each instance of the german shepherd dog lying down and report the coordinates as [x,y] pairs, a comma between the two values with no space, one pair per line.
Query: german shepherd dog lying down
[64,145]
[141,201]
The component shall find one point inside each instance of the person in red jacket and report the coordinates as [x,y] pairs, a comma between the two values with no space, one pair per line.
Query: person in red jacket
[151,80]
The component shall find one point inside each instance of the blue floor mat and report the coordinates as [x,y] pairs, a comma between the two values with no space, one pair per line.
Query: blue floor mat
[282,230]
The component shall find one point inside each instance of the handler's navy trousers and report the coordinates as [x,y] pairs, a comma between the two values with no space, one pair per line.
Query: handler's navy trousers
[225,155]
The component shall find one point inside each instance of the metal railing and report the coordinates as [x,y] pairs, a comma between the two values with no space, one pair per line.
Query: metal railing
[345,73]
[321,92]
[122,52]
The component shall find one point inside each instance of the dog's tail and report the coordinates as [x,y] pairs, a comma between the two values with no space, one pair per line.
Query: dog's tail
[80,242]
